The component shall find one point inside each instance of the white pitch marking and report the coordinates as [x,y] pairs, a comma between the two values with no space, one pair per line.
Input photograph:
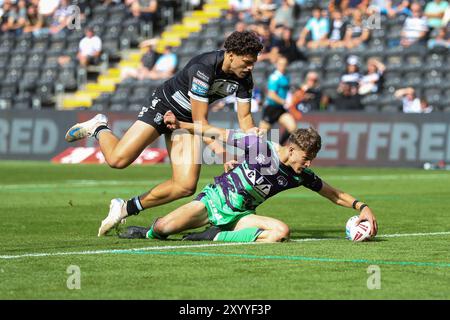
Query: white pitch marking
[28,255]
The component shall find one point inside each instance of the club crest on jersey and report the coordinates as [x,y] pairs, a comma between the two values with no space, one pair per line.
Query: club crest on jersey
[282,181]
[158,118]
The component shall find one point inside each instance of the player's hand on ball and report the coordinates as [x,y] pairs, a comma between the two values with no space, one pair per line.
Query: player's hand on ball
[230,165]
[171,121]
[367,215]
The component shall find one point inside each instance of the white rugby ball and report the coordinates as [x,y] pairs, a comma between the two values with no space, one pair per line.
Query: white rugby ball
[358,232]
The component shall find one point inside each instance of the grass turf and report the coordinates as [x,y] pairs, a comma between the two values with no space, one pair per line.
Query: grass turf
[57,209]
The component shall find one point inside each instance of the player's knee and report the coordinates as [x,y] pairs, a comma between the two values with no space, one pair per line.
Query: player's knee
[118,162]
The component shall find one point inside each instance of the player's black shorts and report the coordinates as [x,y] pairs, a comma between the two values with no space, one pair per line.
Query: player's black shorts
[153,114]
[272,114]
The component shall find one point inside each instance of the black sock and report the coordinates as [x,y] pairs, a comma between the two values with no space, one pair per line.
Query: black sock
[134,206]
[100,128]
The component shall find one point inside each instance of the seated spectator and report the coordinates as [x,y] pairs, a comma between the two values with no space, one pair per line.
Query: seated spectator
[34,21]
[148,60]
[316,29]
[352,76]
[165,65]
[337,31]
[286,47]
[442,40]
[386,7]
[415,28]
[14,17]
[308,97]
[434,11]
[411,103]
[268,40]
[61,18]
[47,8]
[356,34]
[370,82]
[348,6]
[90,49]
[145,10]
[241,9]
[347,98]
[284,15]
[264,10]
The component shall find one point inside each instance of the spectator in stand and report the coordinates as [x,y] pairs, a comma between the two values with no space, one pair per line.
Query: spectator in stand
[308,97]
[348,6]
[286,47]
[90,49]
[47,8]
[356,34]
[317,28]
[386,7]
[148,60]
[337,31]
[264,10]
[61,18]
[145,10]
[165,65]
[442,40]
[352,76]
[411,103]
[241,8]
[434,11]
[34,22]
[371,82]
[284,15]
[268,40]
[14,17]
[347,98]
[415,28]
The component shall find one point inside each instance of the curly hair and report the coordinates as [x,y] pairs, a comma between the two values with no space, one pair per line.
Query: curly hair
[308,140]
[243,43]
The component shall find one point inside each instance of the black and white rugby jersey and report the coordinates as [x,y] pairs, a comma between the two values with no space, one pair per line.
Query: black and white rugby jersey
[202,79]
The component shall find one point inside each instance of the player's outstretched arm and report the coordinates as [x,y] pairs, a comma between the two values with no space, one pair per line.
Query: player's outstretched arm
[346,200]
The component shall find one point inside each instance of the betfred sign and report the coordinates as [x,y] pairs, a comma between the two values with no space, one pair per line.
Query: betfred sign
[381,140]
[93,155]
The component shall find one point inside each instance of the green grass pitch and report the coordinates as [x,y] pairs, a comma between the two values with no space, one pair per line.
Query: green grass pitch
[50,215]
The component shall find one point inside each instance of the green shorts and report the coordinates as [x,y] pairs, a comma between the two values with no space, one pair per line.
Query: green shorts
[219,213]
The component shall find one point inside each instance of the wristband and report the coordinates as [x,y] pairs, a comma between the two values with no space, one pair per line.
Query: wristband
[354,204]
[362,207]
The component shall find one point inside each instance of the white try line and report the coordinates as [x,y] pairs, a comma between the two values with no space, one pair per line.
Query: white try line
[112,251]
[95,183]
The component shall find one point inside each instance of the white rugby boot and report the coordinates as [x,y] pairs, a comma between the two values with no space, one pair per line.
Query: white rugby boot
[86,129]
[117,214]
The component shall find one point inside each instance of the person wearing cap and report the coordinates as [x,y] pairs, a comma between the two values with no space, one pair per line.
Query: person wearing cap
[148,60]
[352,76]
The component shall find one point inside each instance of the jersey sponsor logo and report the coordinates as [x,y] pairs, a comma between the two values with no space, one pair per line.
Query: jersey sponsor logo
[224,88]
[200,82]
[203,76]
[199,87]
[260,187]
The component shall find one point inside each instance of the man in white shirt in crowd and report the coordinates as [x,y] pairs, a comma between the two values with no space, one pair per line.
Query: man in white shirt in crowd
[90,48]
[415,28]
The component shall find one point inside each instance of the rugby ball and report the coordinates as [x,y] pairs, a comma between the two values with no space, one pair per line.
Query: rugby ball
[358,232]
